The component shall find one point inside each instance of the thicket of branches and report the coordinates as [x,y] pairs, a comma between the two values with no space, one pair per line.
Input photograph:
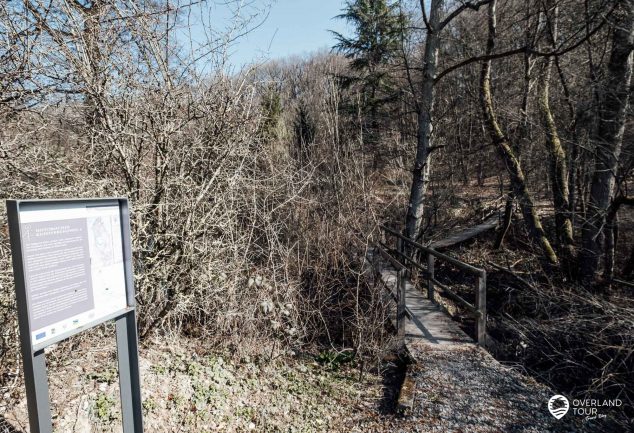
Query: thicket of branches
[247,223]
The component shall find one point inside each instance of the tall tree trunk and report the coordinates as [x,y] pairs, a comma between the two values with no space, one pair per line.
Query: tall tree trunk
[558,165]
[574,146]
[572,175]
[609,138]
[422,162]
[508,218]
[629,265]
[612,234]
[513,166]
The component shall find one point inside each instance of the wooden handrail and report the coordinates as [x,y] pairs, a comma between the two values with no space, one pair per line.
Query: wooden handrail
[479,310]
[404,256]
[455,262]
[397,265]
[456,297]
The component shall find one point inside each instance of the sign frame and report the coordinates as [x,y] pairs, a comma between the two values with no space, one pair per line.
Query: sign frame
[33,355]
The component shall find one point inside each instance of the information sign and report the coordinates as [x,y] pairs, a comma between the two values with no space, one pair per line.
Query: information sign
[73,266]
[73,270]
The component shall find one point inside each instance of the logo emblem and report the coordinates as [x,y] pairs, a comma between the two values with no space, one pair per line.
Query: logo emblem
[558,406]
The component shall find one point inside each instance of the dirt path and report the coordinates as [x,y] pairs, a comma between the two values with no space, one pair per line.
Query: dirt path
[461,388]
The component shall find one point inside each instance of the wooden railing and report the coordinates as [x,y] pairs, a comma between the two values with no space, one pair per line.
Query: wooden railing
[399,296]
[479,310]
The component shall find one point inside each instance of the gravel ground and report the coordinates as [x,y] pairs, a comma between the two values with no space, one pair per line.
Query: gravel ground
[463,389]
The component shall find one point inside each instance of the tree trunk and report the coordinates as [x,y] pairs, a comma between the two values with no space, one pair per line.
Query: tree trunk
[609,138]
[612,234]
[506,224]
[572,179]
[629,266]
[558,167]
[611,239]
[422,162]
[513,166]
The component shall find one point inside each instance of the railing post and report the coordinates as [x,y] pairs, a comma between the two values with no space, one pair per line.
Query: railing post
[400,306]
[400,247]
[481,304]
[430,276]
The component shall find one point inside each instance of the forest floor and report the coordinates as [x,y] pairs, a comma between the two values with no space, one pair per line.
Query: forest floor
[185,389]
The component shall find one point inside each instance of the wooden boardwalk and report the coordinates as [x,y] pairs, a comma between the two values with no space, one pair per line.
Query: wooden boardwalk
[453,384]
[426,323]
[488,224]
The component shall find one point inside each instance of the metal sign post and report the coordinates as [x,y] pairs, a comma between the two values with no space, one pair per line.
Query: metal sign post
[72,265]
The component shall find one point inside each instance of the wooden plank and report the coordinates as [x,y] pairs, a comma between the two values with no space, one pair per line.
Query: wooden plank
[407,393]
[429,323]
[458,238]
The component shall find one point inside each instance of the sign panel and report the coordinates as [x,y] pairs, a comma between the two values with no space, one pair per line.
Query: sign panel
[73,266]
[73,270]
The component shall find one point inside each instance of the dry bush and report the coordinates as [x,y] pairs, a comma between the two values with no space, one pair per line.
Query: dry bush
[249,225]
[203,190]
[200,217]
[332,222]
[235,239]
[576,341]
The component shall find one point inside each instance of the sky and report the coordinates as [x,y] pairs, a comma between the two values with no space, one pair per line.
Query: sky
[293,27]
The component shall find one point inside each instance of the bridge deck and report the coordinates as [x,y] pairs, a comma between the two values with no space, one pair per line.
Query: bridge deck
[428,324]
[488,224]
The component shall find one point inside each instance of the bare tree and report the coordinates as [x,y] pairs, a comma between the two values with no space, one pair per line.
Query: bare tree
[425,106]
[558,158]
[505,150]
[614,105]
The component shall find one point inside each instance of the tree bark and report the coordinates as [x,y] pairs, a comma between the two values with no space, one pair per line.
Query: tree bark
[513,165]
[422,161]
[558,165]
[629,266]
[506,224]
[613,112]
[612,233]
